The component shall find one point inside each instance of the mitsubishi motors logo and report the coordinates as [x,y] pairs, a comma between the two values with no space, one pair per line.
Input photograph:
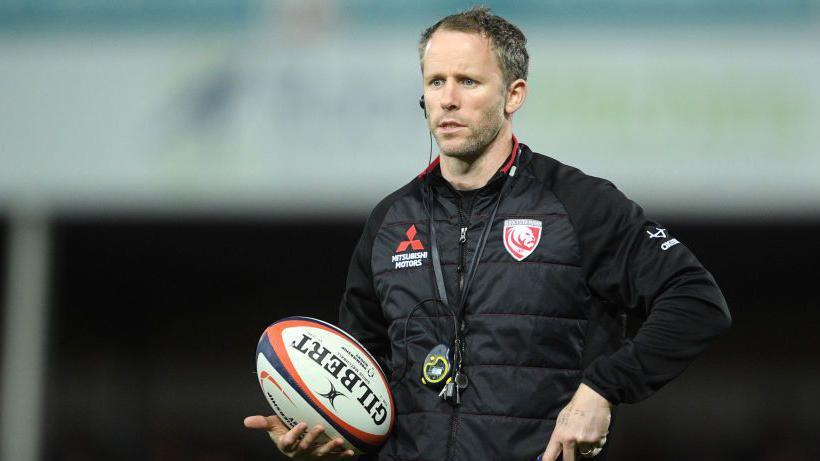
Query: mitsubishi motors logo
[411,241]
[404,260]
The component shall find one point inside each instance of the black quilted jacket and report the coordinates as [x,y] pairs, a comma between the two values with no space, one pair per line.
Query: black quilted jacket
[567,257]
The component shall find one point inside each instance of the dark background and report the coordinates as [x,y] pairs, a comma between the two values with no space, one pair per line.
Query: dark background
[154,324]
[189,109]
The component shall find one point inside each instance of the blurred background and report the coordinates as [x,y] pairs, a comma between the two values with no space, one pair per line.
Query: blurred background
[175,175]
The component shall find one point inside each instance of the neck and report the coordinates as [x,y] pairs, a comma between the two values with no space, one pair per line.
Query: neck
[475,171]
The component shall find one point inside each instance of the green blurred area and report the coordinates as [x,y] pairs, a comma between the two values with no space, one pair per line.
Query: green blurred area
[197,104]
[205,13]
[708,105]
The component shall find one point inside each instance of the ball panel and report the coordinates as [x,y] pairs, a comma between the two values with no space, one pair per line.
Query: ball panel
[293,369]
[293,408]
[383,385]
[341,400]
[281,360]
[356,342]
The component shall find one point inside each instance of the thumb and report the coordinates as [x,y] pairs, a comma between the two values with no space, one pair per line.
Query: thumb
[257,422]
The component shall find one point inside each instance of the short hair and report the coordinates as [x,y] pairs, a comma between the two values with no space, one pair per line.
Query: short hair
[507,40]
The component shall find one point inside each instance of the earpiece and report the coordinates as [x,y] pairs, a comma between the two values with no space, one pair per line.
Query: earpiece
[424,109]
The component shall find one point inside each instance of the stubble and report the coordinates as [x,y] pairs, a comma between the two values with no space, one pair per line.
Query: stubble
[483,133]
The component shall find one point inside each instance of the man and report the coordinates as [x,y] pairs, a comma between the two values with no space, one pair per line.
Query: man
[531,308]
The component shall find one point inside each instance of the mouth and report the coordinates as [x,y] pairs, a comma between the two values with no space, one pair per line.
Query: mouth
[449,125]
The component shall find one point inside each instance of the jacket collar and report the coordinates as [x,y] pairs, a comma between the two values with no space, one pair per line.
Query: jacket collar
[505,168]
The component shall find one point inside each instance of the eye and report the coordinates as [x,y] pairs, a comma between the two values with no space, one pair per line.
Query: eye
[436,82]
[469,82]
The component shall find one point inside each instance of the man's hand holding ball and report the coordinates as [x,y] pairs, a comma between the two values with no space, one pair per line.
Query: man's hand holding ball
[299,443]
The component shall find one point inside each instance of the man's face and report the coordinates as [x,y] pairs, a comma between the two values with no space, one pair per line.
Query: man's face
[464,92]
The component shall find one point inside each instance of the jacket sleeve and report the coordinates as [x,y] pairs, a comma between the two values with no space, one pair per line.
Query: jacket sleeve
[360,312]
[635,263]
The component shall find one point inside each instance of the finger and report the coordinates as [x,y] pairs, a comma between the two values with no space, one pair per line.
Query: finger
[568,450]
[330,446]
[590,452]
[586,449]
[268,423]
[553,450]
[591,449]
[256,422]
[276,426]
[289,441]
[311,436]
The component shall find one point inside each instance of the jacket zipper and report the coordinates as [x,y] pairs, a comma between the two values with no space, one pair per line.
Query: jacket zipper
[461,241]
[464,223]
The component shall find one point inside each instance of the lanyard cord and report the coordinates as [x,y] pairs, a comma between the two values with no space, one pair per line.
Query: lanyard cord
[482,242]
[419,305]
[442,292]
[439,277]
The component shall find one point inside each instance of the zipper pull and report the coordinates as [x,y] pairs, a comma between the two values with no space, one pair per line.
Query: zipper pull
[463,235]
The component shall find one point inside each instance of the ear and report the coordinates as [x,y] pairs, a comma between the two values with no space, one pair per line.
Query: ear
[516,94]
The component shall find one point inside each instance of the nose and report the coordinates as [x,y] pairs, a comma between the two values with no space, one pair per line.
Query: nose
[449,97]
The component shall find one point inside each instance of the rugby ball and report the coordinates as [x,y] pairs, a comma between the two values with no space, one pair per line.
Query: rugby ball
[315,372]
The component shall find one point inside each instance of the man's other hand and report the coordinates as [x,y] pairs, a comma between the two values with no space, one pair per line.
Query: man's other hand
[294,443]
[582,425]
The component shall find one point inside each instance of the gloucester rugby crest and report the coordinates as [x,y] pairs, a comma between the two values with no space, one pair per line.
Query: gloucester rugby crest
[521,236]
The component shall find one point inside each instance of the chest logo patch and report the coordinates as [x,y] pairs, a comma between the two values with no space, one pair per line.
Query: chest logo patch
[521,236]
[404,259]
